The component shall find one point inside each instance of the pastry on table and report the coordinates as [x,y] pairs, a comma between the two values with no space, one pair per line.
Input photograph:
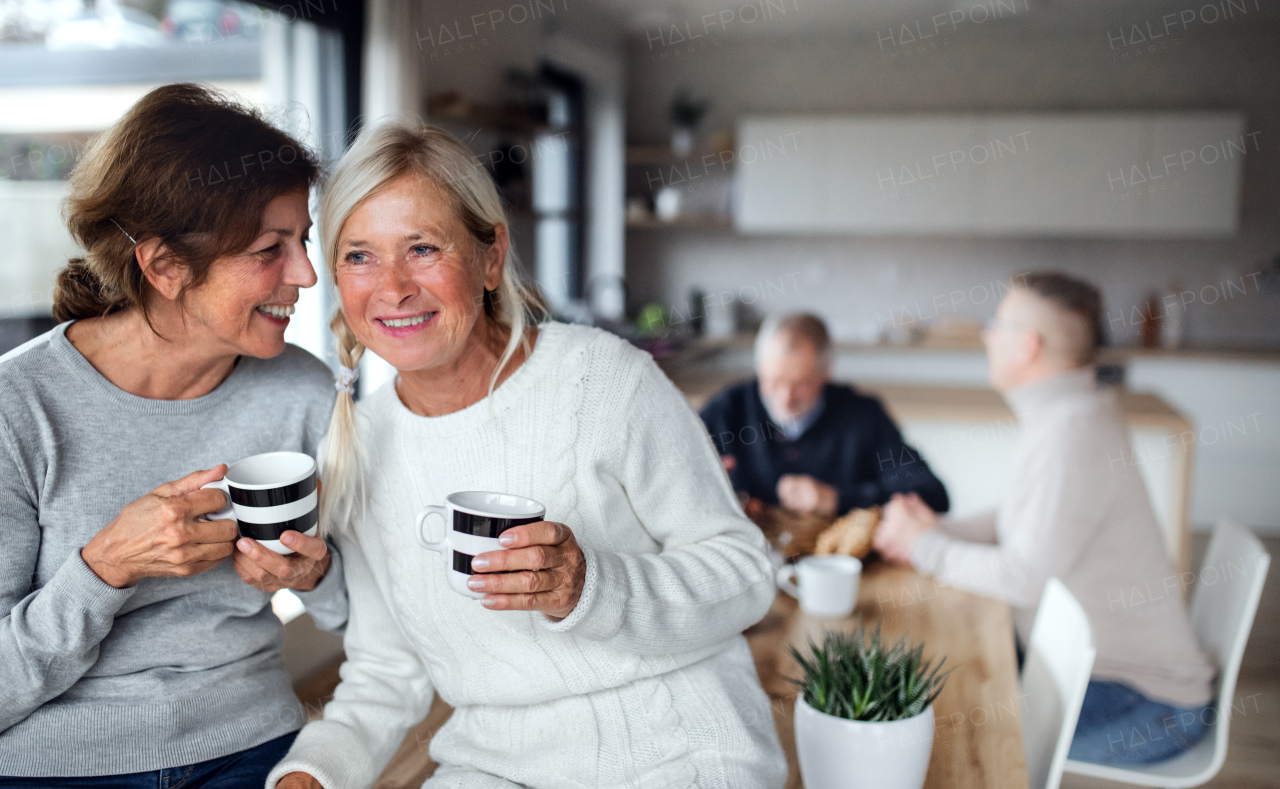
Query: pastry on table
[789,532]
[851,534]
[752,508]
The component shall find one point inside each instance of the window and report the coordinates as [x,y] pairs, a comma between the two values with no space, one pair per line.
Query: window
[558,191]
[70,68]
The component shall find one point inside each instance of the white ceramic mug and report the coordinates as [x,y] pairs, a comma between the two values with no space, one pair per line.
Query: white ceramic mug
[473,521]
[826,586]
[270,494]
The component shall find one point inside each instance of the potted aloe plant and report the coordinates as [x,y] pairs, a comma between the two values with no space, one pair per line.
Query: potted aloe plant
[864,717]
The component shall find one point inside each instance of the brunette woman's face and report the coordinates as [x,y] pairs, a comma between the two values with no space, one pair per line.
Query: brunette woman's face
[411,279]
[245,302]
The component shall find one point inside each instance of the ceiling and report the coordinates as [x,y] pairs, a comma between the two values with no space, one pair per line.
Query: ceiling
[791,18]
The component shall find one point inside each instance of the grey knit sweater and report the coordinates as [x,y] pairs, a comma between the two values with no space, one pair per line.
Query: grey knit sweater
[99,681]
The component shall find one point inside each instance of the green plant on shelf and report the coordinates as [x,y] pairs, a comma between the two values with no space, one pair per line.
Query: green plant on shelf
[851,677]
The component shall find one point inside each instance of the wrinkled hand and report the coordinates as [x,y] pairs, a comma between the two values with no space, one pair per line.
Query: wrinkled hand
[904,519]
[802,493]
[161,535]
[269,571]
[298,781]
[543,569]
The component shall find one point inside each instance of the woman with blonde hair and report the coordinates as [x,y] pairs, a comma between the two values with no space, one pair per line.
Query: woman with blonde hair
[607,649]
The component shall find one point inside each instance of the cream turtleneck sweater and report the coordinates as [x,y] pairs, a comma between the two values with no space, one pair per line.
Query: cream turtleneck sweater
[648,683]
[1075,509]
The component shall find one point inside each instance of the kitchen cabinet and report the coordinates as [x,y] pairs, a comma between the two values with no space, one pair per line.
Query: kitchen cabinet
[1233,405]
[1060,175]
[1056,182]
[968,437]
[1205,427]
[967,434]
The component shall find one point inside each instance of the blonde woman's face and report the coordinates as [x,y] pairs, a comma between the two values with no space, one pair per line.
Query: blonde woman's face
[411,280]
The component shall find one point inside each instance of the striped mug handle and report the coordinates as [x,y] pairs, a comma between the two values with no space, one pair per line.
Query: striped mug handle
[420,524]
[226,513]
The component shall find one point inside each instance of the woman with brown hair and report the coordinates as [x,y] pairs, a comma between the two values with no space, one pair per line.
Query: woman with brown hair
[131,653]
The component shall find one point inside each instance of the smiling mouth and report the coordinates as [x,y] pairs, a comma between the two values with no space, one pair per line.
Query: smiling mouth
[277,311]
[402,323]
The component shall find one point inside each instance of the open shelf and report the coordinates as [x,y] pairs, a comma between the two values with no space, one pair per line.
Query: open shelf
[663,156]
[686,221]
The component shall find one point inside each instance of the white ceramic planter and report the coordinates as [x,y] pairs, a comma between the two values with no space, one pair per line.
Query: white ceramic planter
[842,754]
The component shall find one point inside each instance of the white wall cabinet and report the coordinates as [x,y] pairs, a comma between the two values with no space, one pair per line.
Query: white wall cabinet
[1118,175]
[1234,409]
[1056,181]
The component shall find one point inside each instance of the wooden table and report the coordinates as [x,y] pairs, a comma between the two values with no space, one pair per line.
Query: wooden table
[978,736]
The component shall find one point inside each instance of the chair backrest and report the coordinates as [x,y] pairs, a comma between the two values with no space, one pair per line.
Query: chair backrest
[1055,675]
[1223,606]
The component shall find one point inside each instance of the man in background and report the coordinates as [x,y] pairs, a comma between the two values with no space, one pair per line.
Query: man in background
[1070,511]
[791,437]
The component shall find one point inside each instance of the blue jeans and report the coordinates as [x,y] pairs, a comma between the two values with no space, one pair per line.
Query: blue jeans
[247,768]
[1119,726]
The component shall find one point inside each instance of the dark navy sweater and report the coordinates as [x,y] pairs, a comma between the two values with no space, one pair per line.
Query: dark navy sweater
[853,446]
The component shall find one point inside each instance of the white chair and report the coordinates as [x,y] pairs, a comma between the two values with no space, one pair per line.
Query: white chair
[1222,609]
[1055,674]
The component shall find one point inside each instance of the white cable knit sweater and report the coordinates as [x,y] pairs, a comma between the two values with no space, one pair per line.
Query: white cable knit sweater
[648,683]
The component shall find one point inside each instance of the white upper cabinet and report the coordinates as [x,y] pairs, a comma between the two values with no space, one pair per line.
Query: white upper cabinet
[1005,175]
[1193,175]
[782,161]
[1057,184]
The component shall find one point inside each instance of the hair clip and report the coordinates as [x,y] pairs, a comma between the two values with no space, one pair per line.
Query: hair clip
[126,232]
[346,377]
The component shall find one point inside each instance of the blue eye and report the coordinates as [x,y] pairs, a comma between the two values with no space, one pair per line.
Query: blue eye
[423,249]
[355,257]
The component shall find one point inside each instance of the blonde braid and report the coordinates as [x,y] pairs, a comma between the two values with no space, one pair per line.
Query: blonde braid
[343,494]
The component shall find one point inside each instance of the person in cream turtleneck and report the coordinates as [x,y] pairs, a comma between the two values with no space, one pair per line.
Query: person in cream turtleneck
[1075,510]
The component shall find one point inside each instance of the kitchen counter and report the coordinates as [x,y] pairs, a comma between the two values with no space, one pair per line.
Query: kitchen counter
[1217,407]
[967,436]
[906,402]
[706,346]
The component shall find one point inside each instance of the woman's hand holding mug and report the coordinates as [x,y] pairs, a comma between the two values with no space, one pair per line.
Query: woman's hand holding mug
[269,571]
[274,496]
[161,534]
[543,569]
[500,549]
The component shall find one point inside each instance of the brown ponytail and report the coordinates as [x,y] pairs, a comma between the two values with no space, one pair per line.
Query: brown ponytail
[187,165]
[79,293]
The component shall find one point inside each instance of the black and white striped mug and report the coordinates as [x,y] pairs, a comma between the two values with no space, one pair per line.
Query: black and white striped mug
[270,494]
[473,521]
